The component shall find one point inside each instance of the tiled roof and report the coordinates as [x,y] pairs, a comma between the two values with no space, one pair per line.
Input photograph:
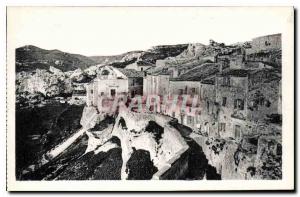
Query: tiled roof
[131,72]
[235,73]
[199,73]
[144,63]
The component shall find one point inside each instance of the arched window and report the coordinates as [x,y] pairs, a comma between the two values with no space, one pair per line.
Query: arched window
[105,72]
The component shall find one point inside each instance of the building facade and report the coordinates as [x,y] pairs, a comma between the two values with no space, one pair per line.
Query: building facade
[111,82]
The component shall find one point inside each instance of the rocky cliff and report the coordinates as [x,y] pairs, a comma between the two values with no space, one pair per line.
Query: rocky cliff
[252,158]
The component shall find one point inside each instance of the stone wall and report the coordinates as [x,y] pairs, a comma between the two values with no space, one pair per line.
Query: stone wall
[184,87]
[265,43]
[156,85]
[232,101]
[264,99]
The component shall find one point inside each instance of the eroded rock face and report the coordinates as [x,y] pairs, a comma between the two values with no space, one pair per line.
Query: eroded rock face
[42,82]
[163,149]
[252,158]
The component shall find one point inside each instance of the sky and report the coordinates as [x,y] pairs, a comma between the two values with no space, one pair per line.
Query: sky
[115,30]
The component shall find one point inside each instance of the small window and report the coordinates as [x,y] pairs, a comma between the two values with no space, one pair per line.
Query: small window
[102,93]
[224,101]
[105,72]
[190,120]
[193,90]
[142,69]
[180,91]
[222,127]
[207,105]
[239,104]
[226,81]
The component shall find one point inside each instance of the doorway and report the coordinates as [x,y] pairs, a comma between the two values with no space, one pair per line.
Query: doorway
[113,92]
[237,132]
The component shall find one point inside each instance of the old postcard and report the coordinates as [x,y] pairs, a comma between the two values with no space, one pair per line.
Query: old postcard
[150,98]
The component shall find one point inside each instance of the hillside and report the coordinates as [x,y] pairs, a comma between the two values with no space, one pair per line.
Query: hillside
[30,57]
[115,58]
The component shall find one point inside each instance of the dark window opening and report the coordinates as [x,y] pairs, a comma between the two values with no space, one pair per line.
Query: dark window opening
[239,104]
[224,101]
[113,92]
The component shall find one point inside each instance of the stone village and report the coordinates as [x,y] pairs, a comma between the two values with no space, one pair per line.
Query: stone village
[237,90]
[239,95]
[227,98]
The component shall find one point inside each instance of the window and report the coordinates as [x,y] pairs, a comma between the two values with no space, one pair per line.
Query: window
[91,91]
[142,69]
[207,105]
[112,92]
[180,91]
[239,104]
[193,91]
[224,101]
[102,93]
[173,114]
[226,81]
[190,120]
[105,72]
[222,127]
[237,131]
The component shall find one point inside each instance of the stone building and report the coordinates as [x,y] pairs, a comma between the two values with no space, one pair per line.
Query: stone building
[111,82]
[140,66]
[247,98]
[156,84]
[264,94]
[231,92]
[269,42]
[207,109]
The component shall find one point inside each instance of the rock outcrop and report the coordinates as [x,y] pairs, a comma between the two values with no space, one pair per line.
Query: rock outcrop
[252,158]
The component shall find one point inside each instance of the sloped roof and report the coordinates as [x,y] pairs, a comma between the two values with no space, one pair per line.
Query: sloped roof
[144,63]
[199,73]
[131,72]
[235,73]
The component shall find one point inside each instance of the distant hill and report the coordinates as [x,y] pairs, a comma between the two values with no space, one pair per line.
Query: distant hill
[151,55]
[30,57]
[115,58]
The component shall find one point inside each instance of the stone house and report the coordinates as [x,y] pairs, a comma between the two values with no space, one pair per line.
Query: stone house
[264,94]
[185,89]
[207,108]
[246,98]
[269,42]
[111,82]
[231,94]
[157,84]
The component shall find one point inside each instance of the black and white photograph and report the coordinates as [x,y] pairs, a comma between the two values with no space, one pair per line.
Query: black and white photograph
[177,95]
